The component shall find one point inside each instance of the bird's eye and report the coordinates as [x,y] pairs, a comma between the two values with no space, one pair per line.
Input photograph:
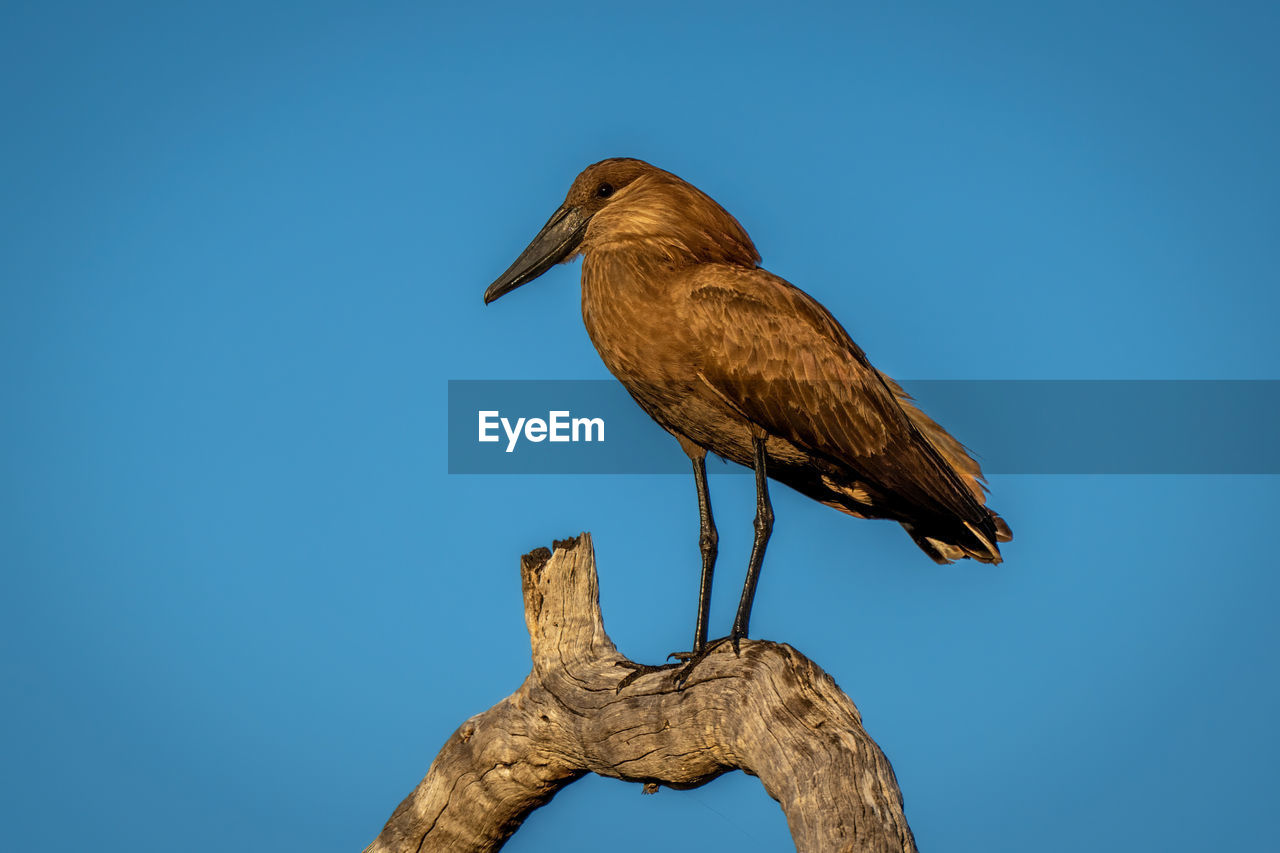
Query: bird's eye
[604,190]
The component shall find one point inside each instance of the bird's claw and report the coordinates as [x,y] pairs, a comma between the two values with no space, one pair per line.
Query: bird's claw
[637,670]
[685,663]
[692,659]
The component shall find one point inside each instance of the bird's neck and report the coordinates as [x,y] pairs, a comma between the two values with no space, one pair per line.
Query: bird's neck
[631,307]
[616,281]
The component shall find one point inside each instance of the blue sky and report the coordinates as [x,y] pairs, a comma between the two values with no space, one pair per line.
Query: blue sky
[245,246]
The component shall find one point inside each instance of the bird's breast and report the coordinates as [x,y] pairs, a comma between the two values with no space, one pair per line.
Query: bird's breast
[633,315]
[633,321]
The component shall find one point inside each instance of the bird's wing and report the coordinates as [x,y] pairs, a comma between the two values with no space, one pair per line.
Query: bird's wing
[955,453]
[790,368]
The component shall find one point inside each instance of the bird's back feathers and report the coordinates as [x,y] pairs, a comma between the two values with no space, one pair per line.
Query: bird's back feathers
[790,368]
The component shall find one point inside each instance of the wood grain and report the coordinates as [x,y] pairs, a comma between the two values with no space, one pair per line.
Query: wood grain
[769,711]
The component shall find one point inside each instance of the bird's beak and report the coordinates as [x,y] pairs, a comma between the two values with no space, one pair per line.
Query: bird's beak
[557,240]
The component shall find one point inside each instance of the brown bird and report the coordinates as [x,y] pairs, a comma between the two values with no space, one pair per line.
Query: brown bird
[730,358]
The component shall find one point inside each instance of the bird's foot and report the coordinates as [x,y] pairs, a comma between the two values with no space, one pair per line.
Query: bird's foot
[685,662]
[638,670]
[690,660]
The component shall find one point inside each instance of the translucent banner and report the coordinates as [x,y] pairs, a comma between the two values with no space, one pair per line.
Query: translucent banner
[1012,426]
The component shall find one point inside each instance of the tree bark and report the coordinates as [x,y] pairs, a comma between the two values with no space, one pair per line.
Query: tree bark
[768,711]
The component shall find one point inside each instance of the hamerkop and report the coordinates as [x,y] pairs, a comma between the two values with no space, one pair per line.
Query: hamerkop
[730,358]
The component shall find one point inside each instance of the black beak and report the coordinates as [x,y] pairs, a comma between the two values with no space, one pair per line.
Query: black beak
[557,240]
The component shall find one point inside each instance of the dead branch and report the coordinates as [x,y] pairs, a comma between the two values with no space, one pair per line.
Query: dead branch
[770,712]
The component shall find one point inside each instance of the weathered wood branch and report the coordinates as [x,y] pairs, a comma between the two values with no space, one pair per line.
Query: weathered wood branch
[769,711]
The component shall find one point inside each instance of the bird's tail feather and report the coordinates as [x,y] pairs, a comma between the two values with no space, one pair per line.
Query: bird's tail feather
[961,542]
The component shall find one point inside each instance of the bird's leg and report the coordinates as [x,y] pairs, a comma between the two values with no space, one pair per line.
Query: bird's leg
[708,541]
[764,527]
[708,544]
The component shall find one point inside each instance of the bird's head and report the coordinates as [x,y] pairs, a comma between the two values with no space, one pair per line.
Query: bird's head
[627,204]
